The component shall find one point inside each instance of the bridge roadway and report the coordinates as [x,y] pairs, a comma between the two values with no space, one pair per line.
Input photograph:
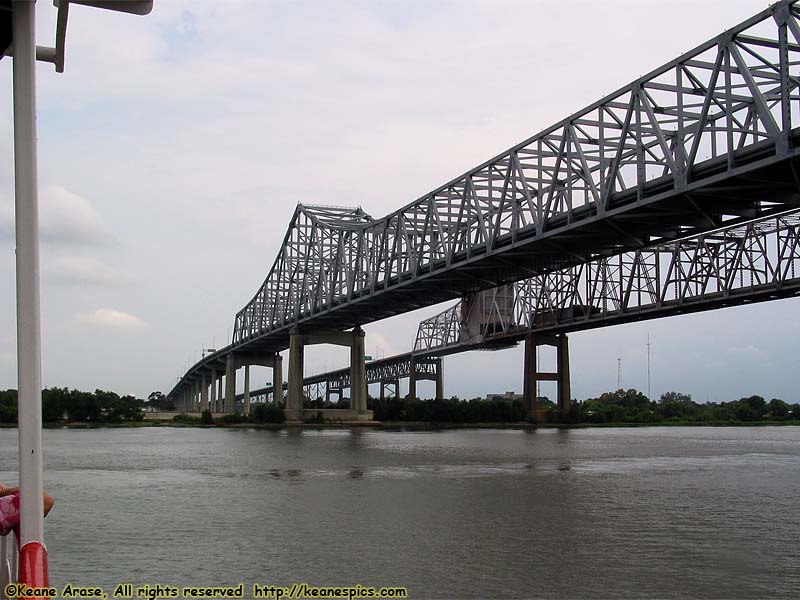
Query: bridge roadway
[704,141]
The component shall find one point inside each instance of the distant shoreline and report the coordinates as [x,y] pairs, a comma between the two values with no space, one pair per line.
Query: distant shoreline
[410,425]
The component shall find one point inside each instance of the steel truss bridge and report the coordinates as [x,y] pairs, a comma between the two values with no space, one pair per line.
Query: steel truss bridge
[741,264]
[386,371]
[704,142]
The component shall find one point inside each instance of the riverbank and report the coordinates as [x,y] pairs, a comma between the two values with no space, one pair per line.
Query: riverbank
[408,425]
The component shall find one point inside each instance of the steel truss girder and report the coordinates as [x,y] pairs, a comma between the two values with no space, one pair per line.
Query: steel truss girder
[728,103]
[735,265]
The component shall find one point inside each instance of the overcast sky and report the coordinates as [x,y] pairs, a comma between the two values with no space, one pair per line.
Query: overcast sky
[175,146]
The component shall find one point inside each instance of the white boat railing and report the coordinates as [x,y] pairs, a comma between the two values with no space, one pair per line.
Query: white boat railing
[7,569]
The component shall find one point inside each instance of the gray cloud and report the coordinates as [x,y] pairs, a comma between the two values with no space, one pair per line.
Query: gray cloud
[65,218]
[72,270]
[108,318]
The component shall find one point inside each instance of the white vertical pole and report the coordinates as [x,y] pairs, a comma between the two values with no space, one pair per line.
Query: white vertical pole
[14,556]
[5,568]
[29,368]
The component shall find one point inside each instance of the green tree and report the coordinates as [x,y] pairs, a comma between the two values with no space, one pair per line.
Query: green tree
[8,406]
[55,402]
[751,408]
[621,406]
[267,413]
[675,397]
[83,406]
[778,409]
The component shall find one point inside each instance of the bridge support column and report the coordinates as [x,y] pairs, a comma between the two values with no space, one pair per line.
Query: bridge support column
[203,393]
[198,388]
[230,384]
[412,380]
[358,373]
[564,390]
[219,393]
[277,379]
[529,376]
[385,385]
[213,391]
[439,379]
[294,395]
[246,405]
[532,375]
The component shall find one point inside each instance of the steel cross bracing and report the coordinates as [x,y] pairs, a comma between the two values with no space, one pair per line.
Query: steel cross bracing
[701,142]
[741,264]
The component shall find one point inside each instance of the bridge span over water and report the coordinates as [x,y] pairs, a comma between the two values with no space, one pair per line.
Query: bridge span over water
[566,230]
[742,264]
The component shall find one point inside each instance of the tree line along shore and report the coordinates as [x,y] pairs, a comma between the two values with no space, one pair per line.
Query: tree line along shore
[624,407]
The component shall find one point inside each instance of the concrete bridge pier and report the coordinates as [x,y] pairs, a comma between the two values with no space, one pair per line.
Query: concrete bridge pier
[358,379]
[358,373]
[218,407]
[294,395]
[385,384]
[419,371]
[236,360]
[230,384]
[213,386]
[203,393]
[532,375]
[198,391]
[439,379]
[246,402]
[277,379]
[412,380]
